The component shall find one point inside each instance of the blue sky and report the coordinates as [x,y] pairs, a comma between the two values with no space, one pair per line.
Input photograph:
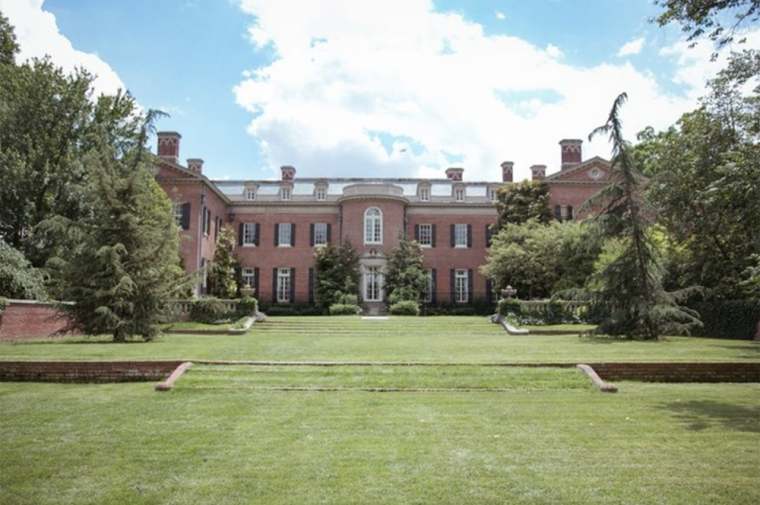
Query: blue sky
[373,88]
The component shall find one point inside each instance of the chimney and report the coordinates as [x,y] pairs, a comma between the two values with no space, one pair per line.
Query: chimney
[168,146]
[454,174]
[195,165]
[506,171]
[571,152]
[538,172]
[288,173]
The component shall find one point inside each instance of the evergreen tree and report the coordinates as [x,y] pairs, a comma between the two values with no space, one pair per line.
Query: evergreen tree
[629,288]
[405,276]
[336,274]
[222,283]
[521,202]
[125,266]
[18,279]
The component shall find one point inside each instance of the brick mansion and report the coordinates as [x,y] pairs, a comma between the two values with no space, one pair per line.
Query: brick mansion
[278,223]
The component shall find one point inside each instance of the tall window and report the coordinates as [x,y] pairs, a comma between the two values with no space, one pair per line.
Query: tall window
[425,235]
[373,284]
[248,276]
[283,285]
[320,234]
[249,234]
[461,235]
[461,286]
[429,295]
[284,234]
[373,226]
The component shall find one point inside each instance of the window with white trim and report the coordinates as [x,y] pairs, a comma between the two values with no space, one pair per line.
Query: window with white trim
[250,193]
[461,286]
[284,234]
[285,194]
[248,276]
[425,235]
[424,194]
[283,285]
[321,193]
[177,212]
[460,235]
[459,194]
[249,234]
[373,226]
[320,233]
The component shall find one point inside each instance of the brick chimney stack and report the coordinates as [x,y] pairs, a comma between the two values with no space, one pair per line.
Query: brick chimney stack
[454,174]
[195,165]
[288,173]
[571,152]
[538,172]
[506,171]
[168,146]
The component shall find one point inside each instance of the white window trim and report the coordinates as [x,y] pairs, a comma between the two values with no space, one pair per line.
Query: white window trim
[429,227]
[249,232]
[284,286]
[458,235]
[320,234]
[248,276]
[284,230]
[461,286]
[373,226]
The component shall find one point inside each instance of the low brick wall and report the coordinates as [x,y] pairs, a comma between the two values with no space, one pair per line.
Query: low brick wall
[679,371]
[86,371]
[24,319]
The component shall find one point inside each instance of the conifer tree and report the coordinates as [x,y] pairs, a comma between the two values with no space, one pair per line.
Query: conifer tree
[222,283]
[336,274]
[405,276]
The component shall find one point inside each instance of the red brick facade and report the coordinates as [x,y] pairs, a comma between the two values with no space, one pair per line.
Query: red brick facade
[276,221]
[25,319]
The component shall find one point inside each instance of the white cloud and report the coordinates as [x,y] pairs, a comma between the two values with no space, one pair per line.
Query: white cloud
[340,90]
[500,15]
[632,48]
[37,35]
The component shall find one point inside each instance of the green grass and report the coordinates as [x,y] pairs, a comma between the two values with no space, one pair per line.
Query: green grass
[235,434]
[398,339]
[125,444]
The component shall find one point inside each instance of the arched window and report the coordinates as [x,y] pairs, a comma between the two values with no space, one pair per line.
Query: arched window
[373,226]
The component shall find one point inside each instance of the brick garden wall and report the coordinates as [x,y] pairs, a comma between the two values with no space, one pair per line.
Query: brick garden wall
[679,372]
[86,371]
[25,319]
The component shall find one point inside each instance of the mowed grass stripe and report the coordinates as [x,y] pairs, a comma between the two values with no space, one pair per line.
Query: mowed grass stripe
[383,377]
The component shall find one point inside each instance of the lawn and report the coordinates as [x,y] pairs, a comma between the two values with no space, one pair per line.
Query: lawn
[233,434]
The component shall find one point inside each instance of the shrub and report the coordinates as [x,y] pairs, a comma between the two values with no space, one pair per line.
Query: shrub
[246,306]
[509,307]
[344,309]
[207,310]
[405,308]
[346,299]
[730,319]
[483,306]
[3,303]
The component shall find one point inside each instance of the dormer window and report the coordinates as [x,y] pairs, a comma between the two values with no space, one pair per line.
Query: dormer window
[423,191]
[459,193]
[285,194]
[250,193]
[493,194]
[320,190]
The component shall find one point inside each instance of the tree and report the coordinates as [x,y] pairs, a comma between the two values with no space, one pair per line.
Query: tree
[125,266]
[540,259]
[705,185]
[222,283]
[405,276]
[520,202]
[336,274]
[8,46]
[629,288]
[700,17]
[18,279]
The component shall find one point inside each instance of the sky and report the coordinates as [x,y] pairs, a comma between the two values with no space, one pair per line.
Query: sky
[377,88]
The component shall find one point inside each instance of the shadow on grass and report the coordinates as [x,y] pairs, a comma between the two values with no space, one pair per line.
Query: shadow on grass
[745,351]
[702,415]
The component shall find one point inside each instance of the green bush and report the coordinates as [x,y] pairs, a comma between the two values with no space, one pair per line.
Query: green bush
[3,303]
[207,310]
[344,309]
[509,307]
[405,308]
[246,306]
[483,306]
[346,299]
[729,319]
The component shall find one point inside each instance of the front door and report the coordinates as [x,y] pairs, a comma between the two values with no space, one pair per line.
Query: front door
[373,285]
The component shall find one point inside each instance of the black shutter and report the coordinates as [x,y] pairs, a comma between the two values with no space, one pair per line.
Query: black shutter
[469,235]
[489,290]
[311,285]
[417,232]
[256,233]
[292,234]
[274,285]
[570,213]
[256,282]
[276,234]
[185,221]
[453,235]
[216,229]
[432,238]
[470,284]
[434,282]
[329,230]
[292,285]
[453,285]
[240,234]
[558,213]
[311,234]
[489,236]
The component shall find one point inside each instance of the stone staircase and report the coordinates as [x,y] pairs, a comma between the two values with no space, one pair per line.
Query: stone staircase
[374,309]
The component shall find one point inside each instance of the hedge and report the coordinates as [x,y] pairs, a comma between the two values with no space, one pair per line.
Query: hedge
[730,319]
